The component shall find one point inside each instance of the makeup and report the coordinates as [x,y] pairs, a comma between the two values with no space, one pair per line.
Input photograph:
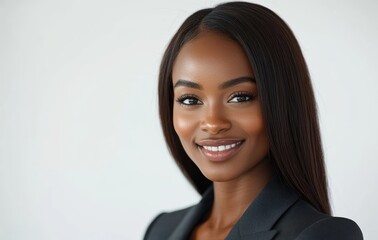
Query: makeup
[220,150]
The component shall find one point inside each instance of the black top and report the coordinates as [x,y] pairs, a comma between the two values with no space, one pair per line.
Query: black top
[277,213]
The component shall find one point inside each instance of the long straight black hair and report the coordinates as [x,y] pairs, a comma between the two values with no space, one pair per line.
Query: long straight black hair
[284,88]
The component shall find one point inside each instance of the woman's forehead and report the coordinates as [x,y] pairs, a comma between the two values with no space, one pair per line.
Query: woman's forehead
[211,55]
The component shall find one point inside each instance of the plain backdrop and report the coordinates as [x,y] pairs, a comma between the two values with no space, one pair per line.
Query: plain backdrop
[82,154]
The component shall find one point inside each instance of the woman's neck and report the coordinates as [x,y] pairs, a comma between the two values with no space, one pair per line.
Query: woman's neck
[232,198]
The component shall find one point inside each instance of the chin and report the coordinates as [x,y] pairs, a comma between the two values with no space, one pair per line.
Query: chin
[219,176]
[233,170]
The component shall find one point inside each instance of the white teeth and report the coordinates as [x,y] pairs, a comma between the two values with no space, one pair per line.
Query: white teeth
[221,147]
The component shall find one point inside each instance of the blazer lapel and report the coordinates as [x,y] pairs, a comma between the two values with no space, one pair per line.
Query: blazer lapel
[258,220]
[193,216]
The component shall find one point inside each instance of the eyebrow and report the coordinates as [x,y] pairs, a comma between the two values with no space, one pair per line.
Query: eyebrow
[227,84]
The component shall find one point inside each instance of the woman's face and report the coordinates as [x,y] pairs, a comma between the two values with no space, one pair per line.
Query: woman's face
[217,113]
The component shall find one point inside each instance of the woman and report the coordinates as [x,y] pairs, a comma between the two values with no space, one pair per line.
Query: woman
[239,116]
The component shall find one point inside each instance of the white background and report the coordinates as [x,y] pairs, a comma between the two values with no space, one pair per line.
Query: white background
[81,150]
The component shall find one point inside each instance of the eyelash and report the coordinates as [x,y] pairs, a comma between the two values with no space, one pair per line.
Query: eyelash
[182,98]
[249,96]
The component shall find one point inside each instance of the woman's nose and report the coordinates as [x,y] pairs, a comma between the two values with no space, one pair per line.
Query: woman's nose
[214,122]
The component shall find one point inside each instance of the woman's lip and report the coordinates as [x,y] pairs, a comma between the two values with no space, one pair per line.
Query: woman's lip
[217,142]
[219,156]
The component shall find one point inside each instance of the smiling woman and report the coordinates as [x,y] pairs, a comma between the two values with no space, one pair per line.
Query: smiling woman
[217,116]
[239,116]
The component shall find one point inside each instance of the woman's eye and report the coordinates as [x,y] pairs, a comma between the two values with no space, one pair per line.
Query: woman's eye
[239,98]
[188,100]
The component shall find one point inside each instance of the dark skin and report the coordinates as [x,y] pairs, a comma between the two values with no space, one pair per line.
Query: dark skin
[212,108]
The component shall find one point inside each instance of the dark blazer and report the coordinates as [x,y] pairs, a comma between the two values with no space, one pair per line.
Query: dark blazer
[277,213]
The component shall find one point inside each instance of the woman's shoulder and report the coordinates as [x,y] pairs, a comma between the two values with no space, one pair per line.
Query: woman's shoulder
[164,223]
[305,222]
[178,224]
[332,228]
[300,222]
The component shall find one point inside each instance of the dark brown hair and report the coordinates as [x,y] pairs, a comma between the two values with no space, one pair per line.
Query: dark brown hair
[284,88]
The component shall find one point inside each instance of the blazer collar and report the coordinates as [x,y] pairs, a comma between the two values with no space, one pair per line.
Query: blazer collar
[257,221]
[193,216]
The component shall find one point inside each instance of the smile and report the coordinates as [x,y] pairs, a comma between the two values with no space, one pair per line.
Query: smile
[219,150]
[221,147]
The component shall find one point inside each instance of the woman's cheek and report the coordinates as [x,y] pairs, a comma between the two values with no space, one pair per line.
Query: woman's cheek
[252,122]
[184,124]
